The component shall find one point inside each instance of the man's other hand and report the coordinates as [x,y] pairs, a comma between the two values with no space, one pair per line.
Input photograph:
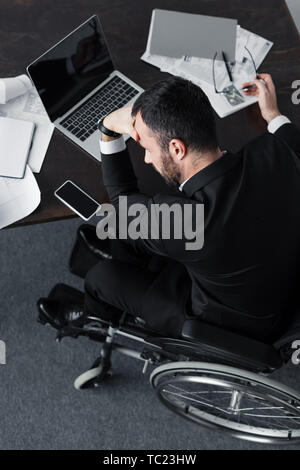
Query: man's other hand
[264,90]
[122,122]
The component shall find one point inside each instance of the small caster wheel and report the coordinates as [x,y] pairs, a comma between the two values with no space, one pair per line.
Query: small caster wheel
[93,377]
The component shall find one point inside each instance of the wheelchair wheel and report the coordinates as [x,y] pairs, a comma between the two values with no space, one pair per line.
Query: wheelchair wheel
[245,404]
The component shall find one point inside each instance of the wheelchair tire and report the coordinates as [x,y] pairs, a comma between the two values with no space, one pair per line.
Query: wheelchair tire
[245,404]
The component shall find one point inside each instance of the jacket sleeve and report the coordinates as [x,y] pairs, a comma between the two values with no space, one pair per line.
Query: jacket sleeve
[290,134]
[119,180]
[156,217]
[118,176]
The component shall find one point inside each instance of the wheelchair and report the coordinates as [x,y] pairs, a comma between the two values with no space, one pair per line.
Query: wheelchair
[208,375]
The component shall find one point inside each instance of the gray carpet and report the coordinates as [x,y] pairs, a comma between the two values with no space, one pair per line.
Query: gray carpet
[39,408]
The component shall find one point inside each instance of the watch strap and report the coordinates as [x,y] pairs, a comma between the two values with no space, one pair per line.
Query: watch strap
[106,131]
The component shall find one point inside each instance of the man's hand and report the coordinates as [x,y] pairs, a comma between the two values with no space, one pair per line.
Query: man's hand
[122,122]
[266,94]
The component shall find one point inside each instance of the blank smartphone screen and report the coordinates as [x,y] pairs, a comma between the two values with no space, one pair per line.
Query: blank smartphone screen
[77,199]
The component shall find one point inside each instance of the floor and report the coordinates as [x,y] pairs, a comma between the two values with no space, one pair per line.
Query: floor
[39,407]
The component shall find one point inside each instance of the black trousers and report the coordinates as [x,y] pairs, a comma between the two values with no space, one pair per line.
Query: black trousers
[152,288]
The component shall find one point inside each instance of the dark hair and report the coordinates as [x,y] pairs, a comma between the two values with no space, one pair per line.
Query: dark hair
[177,109]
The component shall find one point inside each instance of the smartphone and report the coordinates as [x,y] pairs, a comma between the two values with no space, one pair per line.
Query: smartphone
[77,200]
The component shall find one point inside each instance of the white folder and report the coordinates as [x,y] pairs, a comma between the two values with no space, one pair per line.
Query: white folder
[15,141]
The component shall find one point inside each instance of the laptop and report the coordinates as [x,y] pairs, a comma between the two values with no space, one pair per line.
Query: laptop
[78,84]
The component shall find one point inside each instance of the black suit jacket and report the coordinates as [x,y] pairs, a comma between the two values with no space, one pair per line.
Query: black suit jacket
[246,275]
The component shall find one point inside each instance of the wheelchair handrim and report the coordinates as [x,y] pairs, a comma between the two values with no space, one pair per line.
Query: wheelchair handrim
[226,379]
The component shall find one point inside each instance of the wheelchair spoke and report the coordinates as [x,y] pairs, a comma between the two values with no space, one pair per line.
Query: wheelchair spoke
[239,405]
[263,408]
[199,392]
[210,398]
[222,396]
[202,392]
[217,395]
[196,401]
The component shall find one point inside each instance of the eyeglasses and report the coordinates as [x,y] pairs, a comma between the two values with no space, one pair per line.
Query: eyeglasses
[225,90]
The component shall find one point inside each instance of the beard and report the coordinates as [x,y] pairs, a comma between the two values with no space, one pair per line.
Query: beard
[169,170]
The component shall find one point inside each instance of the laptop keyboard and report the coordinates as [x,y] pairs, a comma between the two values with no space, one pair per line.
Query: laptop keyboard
[115,94]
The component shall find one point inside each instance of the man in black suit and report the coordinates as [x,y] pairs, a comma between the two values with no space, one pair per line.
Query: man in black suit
[245,276]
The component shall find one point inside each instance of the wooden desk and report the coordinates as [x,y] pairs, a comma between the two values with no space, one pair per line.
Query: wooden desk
[29,27]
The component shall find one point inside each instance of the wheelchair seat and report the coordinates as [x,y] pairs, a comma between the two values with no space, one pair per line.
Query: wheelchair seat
[231,348]
[236,347]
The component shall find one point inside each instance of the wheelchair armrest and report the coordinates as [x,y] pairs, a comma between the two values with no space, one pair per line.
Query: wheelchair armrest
[223,343]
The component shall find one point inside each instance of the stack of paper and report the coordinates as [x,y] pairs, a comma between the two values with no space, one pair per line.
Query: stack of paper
[18,198]
[25,103]
[21,112]
[199,68]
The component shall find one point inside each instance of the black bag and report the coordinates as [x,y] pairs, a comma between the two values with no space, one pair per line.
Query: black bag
[83,258]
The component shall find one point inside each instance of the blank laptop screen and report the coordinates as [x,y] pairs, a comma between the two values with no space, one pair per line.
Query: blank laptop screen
[72,68]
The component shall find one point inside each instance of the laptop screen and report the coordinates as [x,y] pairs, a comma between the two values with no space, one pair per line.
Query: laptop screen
[71,69]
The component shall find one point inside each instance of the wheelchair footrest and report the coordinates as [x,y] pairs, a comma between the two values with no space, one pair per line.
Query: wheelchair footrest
[93,333]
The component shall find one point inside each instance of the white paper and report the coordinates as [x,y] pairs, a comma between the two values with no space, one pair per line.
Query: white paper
[18,198]
[199,70]
[220,103]
[12,87]
[257,45]
[30,108]
[162,62]
[202,69]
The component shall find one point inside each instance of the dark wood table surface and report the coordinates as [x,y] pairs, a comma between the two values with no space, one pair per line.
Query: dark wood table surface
[29,27]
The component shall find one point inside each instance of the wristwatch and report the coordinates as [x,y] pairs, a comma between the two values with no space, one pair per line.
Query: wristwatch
[106,131]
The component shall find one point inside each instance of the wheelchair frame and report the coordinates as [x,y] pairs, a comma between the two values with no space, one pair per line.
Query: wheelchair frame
[198,388]
[210,376]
